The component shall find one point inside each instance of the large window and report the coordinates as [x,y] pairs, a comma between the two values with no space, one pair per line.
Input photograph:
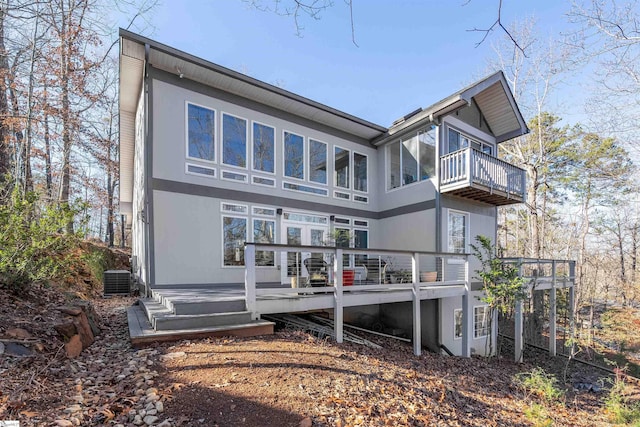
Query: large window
[360,172]
[234,141]
[411,159]
[264,231]
[293,155]
[201,126]
[234,234]
[317,161]
[481,321]
[457,231]
[341,167]
[263,148]
[458,141]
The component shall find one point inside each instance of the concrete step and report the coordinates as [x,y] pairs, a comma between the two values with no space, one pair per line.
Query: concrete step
[141,332]
[169,321]
[206,306]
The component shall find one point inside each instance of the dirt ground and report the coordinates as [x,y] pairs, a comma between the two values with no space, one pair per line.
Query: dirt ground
[288,379]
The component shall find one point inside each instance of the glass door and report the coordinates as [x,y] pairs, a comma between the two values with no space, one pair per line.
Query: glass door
[296,273]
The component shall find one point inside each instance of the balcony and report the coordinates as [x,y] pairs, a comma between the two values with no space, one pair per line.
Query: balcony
[475,175]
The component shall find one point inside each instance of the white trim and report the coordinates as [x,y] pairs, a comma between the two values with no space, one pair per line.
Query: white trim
[275,233]
[253,182]
[304,184]
[186,133]
[222,177]
[336,192]
[349,172]
[304,156]
[466,234]
[275,163]
[489,325]
[253,211]
[246,218]
[364,223]
[353,173]
[456,310]
[223,210]
[326,152]
[246,141]
[204,175]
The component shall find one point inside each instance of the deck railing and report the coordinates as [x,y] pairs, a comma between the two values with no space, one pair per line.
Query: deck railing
[469,166]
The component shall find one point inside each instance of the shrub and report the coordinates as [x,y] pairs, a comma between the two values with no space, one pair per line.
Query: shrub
[538,415]
[33,246]
[620,408]
[540,384]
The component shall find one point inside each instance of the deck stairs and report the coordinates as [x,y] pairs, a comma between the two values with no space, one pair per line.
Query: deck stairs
[174,314]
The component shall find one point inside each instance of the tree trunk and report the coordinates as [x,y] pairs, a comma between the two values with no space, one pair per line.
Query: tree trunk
[5,157]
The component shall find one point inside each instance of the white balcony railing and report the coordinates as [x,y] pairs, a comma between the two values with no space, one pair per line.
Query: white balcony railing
[469,167]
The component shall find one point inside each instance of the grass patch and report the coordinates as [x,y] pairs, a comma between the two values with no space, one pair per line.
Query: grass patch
[540,384]
[538,415]
[620,408]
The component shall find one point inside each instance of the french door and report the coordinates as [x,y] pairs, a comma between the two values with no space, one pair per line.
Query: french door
[295,233]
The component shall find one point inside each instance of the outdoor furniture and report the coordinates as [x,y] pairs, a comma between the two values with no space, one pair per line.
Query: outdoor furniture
[318,271]
[376,270]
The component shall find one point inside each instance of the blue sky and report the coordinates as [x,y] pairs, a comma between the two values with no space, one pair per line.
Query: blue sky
[411,53]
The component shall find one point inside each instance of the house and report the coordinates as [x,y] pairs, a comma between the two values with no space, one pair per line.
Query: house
[212,160]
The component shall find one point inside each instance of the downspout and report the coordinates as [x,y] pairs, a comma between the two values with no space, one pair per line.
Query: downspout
[145,144]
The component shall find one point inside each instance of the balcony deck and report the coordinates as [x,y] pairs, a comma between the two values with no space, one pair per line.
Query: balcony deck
[475,175]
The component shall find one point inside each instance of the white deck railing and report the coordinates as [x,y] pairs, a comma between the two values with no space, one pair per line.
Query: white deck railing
[469,166]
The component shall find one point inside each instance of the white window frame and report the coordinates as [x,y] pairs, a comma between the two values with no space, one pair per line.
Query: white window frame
[353,177]
[245,208]
[262,217]
[305,184]
[186,133]
[262,184]
[488,316]
[202,175]
[455,322]
[349,172]
[328,171]
[304,157]
[344,193]
[247,230]
[275,163]
[466,234]
[222,177]
[366,202]
[471,139]
[246,145]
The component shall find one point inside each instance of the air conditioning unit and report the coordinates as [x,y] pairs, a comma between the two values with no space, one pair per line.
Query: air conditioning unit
[117,282]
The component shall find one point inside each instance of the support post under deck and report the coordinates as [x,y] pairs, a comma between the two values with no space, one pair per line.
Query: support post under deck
[338,305]
[552,311]
[417,321]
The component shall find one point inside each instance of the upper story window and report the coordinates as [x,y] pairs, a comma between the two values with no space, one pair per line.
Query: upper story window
[341,168]
[201,127]
[293,155]
[457,141]
[360,172]
[234,141]
[317,161]
[411,159]
[458,225]
[263,148]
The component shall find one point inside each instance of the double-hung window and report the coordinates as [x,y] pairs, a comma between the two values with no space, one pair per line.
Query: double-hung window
[234,234]
[201,130]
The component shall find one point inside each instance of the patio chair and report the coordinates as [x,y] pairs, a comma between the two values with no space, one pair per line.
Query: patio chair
[376,270]
[318,273]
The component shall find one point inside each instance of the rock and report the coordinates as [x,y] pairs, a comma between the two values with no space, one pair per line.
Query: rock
[174,355]
[71,311]
[75,421]
[63,423]
[19,333]
[1,348]
[138,420]
[74,347]
[16,349]
[165,423]
[91,314]
[67,329]
[152,390]
[306,422]
[152,397]
[73,409]
[150,420]
[159,406]
[152,412]
[39,347]
[84,330]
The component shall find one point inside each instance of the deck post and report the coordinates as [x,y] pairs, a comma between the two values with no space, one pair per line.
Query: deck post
[467,320]
[417,322]
[552,311]
[338,305]
[518,327]
[250,279]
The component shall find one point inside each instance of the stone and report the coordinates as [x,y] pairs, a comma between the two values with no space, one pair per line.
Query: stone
[150,420]
[67,329]
[73,348]
[19,333]
[16,349]
[63,423]
[174,355]
[71,311]
[165,423]
[84,330]
[91,314]
[159,406]
[1,347]
[152,397]
[152,390]
[152,412]
[73,409]
[306,422]
[138,420]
